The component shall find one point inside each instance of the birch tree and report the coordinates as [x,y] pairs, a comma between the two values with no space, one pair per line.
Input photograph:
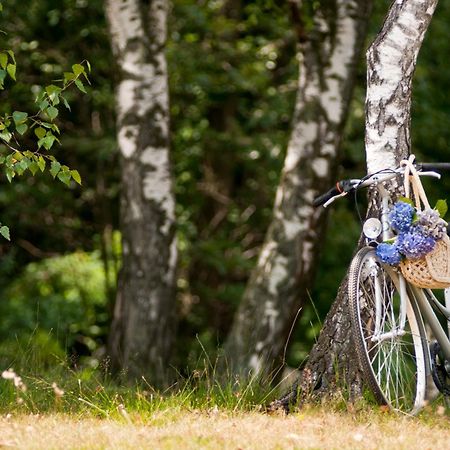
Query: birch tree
[279,285]
[143,324]
[391,61]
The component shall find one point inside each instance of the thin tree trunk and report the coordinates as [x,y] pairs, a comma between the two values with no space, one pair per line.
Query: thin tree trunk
[285,270]
[391,61]
[143,325]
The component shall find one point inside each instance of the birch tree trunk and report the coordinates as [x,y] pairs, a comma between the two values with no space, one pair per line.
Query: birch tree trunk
[143,325]
[284,274]
[391,61]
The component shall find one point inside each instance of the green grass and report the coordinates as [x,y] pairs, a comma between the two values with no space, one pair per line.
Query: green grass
[93,392]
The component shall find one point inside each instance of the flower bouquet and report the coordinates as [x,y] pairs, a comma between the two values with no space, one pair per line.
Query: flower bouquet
[417,231]
[421,246]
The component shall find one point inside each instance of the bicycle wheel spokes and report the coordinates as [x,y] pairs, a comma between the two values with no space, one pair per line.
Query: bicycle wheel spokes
[390,352]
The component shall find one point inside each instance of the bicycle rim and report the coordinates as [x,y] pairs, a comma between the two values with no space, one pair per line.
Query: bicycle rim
[391,355]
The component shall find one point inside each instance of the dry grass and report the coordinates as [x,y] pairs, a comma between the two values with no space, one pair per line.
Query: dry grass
[216,429]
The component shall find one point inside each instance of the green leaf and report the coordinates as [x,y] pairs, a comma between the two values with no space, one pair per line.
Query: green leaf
[48,141]
[66,103]
[11,69]
[80,86]
[22,128]
[68,76]
[19,117]
[78,69]
[40,96]
[441,207]
[41,163]
[33,167]
[52,89]
[76,176]
[88,64]
[52,112]
[3,60]
[44,104]
[55,168]
[10,173]
[22,165]
[5,135]
[40,132]
[4,231]
[65,176]
[11,53]
[10,160]
[405,200]
[53,93]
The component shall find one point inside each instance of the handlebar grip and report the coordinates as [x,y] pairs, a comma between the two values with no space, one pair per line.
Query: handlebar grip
[321,199]
[433,166]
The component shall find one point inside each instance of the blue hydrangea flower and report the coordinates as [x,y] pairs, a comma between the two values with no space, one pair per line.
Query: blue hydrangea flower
[388,254]
[414,245]
[401,216]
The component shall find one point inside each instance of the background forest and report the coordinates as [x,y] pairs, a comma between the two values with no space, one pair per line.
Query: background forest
[232,93]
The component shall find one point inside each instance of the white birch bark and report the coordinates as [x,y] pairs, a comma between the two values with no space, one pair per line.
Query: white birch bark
[391,61]
[142,329]
[286,266]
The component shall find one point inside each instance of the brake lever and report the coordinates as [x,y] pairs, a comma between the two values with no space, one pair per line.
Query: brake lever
[332,199]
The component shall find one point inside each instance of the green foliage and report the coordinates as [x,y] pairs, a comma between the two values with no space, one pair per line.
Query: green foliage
[38,351]
[4,231]
[17,161]
[441,207]
[63,298]
[46,38]
[232,100]
[406,200]
[13,127]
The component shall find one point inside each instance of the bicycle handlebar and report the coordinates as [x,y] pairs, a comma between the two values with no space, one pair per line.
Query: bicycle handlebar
[344,186]
[433,166]
[321,199]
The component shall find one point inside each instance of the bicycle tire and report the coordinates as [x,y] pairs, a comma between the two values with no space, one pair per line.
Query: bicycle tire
[393,364]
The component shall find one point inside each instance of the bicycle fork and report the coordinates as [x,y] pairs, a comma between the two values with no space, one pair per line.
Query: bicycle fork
[398,318]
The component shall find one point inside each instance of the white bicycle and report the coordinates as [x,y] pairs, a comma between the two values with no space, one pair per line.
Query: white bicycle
[400,331]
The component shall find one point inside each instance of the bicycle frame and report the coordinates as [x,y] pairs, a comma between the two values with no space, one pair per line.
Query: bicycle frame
[430,317]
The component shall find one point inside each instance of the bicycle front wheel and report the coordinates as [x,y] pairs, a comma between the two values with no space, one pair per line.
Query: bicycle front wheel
[388,334]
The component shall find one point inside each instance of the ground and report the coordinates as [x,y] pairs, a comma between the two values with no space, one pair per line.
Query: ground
[216,429]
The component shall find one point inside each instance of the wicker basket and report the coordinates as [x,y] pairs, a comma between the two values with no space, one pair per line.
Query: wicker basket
[432,271]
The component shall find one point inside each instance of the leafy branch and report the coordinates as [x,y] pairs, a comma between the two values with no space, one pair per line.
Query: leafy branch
[42,123]
[15,126]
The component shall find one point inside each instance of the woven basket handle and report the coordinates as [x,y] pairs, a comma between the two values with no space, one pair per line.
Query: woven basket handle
[411,179]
